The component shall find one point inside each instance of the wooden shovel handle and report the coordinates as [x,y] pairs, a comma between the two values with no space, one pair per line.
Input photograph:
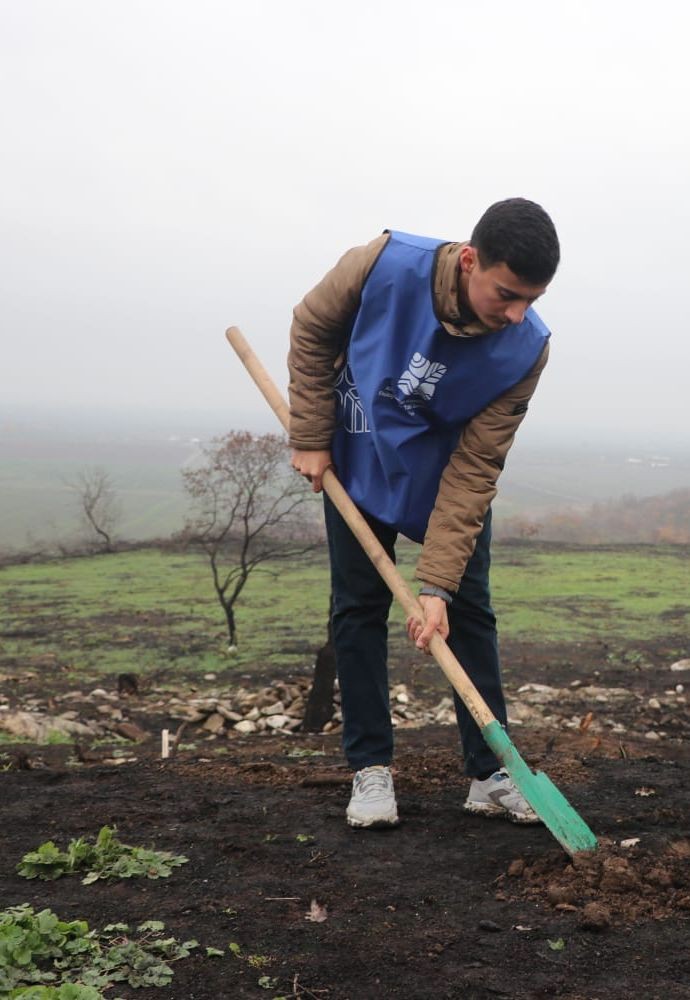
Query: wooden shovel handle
[367,539]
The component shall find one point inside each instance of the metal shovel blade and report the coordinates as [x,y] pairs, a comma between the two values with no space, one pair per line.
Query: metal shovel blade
[552,807]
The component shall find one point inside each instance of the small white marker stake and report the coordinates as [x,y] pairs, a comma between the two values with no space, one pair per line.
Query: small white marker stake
[165,743]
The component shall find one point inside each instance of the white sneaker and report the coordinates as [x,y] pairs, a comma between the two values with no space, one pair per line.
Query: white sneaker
[373,798]
[498,796]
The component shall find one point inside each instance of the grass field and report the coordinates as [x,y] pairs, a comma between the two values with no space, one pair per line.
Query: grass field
[148,610]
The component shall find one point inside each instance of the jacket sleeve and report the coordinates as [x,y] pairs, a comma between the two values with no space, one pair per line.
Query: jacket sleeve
[468,484]
[320,328]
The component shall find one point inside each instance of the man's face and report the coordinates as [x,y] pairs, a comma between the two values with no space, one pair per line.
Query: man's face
[494,294]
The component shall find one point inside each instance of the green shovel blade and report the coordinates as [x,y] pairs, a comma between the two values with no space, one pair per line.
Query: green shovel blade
[550,805]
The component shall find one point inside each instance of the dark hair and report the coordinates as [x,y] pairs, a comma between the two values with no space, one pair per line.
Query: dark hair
[520,234]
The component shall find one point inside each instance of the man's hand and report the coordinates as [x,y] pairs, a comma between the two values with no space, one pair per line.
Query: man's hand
[435,620]
[312,465]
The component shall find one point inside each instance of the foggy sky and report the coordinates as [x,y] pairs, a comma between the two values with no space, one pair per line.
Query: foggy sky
[171,168]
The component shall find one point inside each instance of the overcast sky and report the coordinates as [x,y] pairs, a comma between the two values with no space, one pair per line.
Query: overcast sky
[171,168]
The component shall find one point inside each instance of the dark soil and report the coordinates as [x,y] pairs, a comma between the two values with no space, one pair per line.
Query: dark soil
[445,906]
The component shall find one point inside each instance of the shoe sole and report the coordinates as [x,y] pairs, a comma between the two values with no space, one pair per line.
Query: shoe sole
[490,811]
[378,823]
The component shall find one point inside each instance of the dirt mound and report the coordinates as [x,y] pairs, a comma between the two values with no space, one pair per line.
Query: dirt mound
[614,885]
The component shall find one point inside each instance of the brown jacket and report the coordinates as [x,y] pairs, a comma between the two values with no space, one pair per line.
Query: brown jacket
[318,339]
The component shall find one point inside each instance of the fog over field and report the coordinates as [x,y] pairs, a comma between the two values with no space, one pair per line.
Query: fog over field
[170,169]
[42,451]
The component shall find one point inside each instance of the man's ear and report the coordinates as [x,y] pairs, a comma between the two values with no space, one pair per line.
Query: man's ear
[468,259]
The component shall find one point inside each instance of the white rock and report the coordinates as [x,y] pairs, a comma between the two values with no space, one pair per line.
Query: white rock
[402,698]
[228,714]
[443,705]
[680,665]
[246,726]
[254,715]
[679,689]
[277,708]
[525,713]
[277,721]
[99,693]
[651,735]
[654,703]
[111,712]
[538,694]
[631,842]
[215,723]
[210,677]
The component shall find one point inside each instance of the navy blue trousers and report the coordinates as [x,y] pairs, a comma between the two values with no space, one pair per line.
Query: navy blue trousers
[361,602]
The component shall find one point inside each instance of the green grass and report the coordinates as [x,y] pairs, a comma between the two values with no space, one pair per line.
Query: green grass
[149,611]
[625,593]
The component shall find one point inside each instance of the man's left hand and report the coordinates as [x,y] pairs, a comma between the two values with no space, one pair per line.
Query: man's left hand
[435,620]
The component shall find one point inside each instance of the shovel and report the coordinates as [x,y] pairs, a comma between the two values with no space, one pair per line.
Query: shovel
[554,810]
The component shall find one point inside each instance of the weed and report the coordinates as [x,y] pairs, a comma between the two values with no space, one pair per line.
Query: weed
[108,858]
[55,738]
[39,948]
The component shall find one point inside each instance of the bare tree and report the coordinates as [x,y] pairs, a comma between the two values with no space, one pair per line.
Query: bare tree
[99,504]
[249,507]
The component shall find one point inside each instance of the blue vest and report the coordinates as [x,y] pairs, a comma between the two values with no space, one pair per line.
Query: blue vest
[408,387]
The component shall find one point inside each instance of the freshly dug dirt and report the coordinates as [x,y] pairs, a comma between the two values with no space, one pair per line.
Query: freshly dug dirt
[447,905]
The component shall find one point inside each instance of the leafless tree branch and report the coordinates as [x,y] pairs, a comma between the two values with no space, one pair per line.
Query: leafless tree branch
[249,508]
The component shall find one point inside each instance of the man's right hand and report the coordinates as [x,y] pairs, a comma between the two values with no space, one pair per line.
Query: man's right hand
[312,465]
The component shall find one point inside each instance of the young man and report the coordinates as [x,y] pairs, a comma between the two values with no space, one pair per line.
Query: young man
[412,364]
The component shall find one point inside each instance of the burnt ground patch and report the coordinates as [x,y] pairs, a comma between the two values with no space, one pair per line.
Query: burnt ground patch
[447,905]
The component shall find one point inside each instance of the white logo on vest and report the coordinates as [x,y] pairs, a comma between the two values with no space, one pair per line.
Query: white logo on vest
[354,417]
[421,378]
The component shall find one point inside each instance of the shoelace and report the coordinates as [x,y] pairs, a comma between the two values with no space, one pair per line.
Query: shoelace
[373,782]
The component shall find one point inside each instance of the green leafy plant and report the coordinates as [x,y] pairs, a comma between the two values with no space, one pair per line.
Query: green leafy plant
[45,958]
[107,858]
[259,961]
[68,991]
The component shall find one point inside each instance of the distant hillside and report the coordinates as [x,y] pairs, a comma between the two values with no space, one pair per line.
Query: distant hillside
[144,454]
[656,519]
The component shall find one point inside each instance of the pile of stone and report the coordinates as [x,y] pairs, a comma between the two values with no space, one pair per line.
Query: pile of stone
[594,708]
[280,708]
[39,727]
